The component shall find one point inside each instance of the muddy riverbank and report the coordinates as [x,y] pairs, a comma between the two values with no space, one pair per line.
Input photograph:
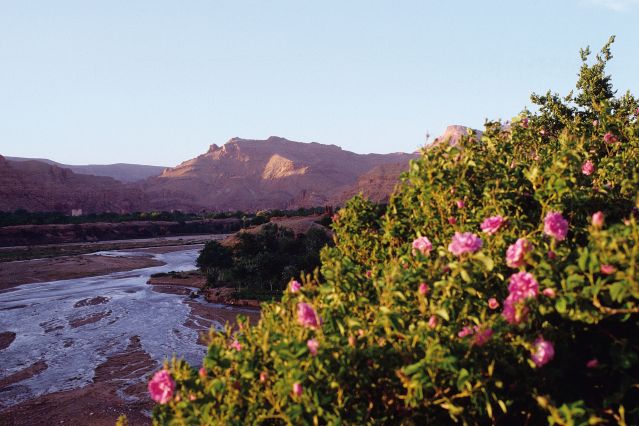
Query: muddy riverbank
[80,351]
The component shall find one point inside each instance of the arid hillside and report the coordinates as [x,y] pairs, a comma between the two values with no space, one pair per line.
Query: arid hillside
[121,171]
[259,174]
[37,186]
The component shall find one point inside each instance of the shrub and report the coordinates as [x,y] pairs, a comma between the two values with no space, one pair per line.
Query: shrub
[212,260]
[262,263]
[515,308]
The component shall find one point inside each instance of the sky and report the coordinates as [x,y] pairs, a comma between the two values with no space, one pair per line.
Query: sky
[158,81]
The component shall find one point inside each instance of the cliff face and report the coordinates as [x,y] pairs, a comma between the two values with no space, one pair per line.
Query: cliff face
[259,174]
[37,186]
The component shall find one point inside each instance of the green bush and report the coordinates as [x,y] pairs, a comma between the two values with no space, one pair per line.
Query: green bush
[262,263]
[395,333]
[213,260]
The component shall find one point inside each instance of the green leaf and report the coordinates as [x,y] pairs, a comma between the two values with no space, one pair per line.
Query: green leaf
[560,305]
[442,313]
[488,262]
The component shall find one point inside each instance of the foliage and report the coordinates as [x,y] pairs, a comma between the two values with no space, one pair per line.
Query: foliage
[213,259]
[412,336]
[262,263]
[23,217]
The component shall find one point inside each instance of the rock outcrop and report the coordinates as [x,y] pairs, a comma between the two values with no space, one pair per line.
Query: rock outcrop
[453,134]
[263,174]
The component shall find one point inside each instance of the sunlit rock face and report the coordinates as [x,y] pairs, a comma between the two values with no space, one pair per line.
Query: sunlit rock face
[248,174]
[453,134]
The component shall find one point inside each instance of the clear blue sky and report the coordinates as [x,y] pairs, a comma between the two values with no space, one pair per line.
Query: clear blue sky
[156,82]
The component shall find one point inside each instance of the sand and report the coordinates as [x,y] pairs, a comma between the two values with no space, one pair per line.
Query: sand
[13,274]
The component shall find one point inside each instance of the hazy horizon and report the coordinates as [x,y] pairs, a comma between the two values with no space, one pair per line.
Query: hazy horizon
[157,82]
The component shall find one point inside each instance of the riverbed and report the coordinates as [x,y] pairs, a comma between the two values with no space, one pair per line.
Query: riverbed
[71,334]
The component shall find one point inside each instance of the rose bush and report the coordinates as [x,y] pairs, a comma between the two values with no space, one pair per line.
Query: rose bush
[518,324]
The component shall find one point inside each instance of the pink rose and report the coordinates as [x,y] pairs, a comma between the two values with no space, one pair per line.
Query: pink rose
[464,243]
[493,303]
[307,317]
[295,286]
[352,341]
[312,345]
[514,311]
[543,352]
[595,123]
[549,292]
[263,376]
[588,168]
[161,387]
[432,321]
[593,363]
[598,219]
[516,253]
[466,331]
[422,245]
[492,224]
[608,269]
[423,289]
[297,389]
[482,336]
[523,285]
[460,204]
[452,220]
[236,345]
[609,138]
[556,226]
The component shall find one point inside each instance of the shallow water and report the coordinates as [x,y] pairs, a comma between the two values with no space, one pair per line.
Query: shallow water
[44,328]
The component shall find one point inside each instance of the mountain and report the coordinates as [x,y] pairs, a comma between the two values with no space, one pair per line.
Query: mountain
[246,174]
[376,185]
[37,186]
[453,134]
[120,171]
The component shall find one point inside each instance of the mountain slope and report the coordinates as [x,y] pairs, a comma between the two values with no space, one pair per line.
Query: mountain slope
[258,174]
[120,171]
[37,186]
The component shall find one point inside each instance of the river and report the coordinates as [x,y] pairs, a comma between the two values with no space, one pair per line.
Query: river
[73,326]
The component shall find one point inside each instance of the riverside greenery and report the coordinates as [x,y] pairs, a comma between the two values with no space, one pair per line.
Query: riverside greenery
[261,264]
[422,336]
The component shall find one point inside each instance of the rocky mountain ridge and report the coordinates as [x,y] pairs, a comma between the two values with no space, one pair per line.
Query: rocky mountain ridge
[242,174]
[37,186]
[247,174]
[122,172]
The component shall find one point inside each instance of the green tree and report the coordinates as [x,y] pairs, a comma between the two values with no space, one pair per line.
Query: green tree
[213,259]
